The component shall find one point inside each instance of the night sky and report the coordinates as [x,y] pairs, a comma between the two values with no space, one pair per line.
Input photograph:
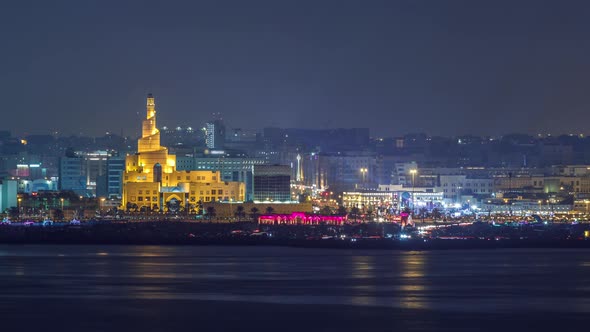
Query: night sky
[441,67]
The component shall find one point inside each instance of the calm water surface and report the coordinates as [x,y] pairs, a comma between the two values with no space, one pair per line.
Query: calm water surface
[240,288]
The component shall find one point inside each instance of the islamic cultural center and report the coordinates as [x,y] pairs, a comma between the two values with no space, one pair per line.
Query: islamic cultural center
[151,180]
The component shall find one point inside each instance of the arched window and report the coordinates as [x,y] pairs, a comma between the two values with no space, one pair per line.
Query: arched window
[157,172]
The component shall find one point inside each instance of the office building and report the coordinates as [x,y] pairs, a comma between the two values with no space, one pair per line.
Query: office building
[272,183]
[215,134]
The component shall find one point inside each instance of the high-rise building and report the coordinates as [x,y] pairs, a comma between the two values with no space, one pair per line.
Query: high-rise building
[272,183]
[81,172]
[115,169]
[71,175]
[215,134]
[152,181]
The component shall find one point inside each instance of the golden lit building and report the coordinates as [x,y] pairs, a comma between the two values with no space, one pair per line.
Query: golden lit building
[151,179]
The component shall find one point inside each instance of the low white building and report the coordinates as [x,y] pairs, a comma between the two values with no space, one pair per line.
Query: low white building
[455,186]
[8,194]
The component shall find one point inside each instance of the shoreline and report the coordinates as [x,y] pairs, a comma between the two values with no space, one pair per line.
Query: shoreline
[252,234]
[385,244]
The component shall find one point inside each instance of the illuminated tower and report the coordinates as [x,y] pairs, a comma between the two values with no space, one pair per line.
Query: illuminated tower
[149,151]
[151,181]
[299,177]
[150,135]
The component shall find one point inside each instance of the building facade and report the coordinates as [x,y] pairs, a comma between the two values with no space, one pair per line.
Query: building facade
[8,194]
[80,173]
[272,183]
[238,169]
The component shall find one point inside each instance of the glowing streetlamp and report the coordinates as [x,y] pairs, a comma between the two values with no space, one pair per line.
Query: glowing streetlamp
[364,173]
[62,203]
[231,210]
[413,173]
[18,205]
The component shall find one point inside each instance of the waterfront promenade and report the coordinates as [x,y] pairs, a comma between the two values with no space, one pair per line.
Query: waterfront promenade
[350,235]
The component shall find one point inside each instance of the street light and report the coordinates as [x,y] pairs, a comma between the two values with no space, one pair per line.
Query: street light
[62,203]
[18,207]
[363,172]
[231,201]
[413,173]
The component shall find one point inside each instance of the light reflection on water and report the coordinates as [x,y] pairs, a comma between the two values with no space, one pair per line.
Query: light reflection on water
[499,280]
[412,286]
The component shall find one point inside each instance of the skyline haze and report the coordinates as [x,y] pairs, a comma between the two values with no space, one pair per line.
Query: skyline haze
[452,68]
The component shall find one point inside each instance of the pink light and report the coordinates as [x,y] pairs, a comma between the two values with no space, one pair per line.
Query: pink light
[301,217]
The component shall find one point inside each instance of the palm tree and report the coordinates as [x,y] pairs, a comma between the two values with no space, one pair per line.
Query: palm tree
[270,210]
[254,212]
[240,212]
[326,210]
[423,212]
[211,212]
[354,213]
[199,208]
[436,214]
[13,212]
[58,214]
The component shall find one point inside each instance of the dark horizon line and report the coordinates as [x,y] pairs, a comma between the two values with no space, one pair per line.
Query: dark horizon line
[121,133]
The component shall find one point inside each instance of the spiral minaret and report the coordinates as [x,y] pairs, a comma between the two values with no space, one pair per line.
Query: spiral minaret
[150,135]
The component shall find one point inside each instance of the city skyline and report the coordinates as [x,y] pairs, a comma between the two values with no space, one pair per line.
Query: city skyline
[447,69]
[294,165]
